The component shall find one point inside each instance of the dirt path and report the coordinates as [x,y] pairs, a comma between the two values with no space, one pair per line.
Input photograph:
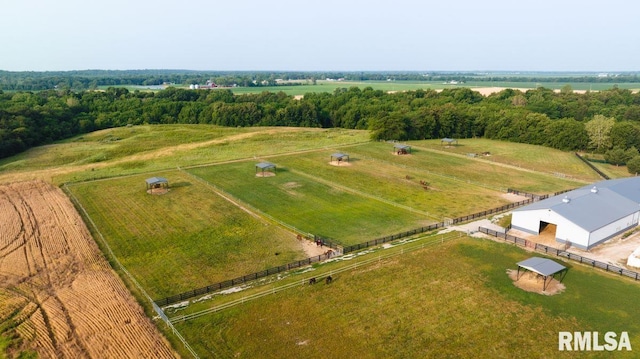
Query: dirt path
[58,293]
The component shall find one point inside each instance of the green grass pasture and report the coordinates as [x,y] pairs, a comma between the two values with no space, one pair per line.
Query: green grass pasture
[450,301]
[524,156]
[612,171]
[474,171]
[137,149]
[374,171]
[185,239]
[310,205]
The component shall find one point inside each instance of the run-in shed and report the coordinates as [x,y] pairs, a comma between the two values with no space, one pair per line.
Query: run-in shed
[448,141]
[401,149]
[157,182]
[340,157]
[542,266]
[265,167]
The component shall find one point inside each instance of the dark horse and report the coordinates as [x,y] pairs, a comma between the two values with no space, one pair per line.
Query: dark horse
[312,281]
[329,279]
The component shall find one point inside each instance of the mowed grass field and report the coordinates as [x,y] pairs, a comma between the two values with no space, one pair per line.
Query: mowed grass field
[148,148]
[518,155]
[312,206]
[192,237]
[453,300]
[185,239]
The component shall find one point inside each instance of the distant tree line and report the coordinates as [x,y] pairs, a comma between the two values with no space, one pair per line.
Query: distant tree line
[93,79]
[605,122]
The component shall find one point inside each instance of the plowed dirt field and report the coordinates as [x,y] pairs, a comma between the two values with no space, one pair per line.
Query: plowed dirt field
[58,294]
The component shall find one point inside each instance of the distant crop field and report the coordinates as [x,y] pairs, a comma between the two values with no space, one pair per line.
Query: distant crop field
[331,86]
[451,300]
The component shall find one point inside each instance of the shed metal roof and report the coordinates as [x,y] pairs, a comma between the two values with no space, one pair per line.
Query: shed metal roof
[542,266]
[339,155]
[154,180]
[265,165]
[401,146]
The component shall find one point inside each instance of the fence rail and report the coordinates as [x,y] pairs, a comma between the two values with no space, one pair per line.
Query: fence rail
[429,242]
[372,243]
[378,241]
[561,253]
[592,166]
[240,280]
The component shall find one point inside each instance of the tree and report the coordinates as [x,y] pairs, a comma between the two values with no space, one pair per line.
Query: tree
[633,165]
[566,134]
[599,131]
[625,134]
[389,127]
[616,156]
[566,89]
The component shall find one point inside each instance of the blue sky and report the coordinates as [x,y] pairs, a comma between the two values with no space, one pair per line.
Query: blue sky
[328,35]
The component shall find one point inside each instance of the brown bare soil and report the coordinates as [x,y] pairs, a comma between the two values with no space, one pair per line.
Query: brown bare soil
[531,282]
[57,291]
[265,174]
[340,163]
[158,191]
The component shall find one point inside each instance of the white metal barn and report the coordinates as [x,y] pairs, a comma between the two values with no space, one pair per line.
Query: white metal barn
[586,216]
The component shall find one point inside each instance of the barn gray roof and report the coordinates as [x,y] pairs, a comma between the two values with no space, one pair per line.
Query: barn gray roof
[594,206]
[542,266]
[154,180]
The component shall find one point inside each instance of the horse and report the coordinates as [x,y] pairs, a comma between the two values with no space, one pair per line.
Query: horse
[312,281]
[328,253]
[329,280]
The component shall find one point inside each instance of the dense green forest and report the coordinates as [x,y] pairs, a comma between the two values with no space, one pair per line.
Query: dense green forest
[607,122]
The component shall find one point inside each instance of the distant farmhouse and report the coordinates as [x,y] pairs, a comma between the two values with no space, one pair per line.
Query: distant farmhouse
[209,85]
[586,216]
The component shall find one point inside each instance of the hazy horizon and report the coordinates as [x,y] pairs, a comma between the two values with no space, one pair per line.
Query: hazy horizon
[332,36]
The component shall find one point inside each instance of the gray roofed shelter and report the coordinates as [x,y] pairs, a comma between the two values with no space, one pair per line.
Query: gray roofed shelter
[339,157]
[448,141]
[542,266]
[401,149]
[265,166]
[157,182]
